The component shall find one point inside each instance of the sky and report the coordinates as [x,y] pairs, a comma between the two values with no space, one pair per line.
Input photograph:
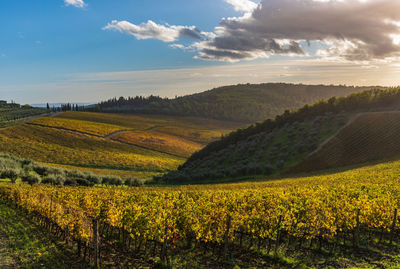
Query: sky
[92,50]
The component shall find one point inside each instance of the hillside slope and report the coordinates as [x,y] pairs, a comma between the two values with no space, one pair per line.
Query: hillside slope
[274,146]
[243,102]
[368,137]
[114,144]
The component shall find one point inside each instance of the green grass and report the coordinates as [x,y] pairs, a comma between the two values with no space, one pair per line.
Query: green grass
[24,245]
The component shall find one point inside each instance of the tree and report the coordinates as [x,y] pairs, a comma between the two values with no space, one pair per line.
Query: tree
[48,106]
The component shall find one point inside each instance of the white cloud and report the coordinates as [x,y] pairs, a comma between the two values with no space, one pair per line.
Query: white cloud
[152,30]
[351,30]
[242,5]
[354,30]
[75,3]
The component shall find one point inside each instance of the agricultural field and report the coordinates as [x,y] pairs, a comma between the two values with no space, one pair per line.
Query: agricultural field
[12,114]
[273,222]
[264,153]
[79,126]
[158,141]
[370,136]
[24,245]
[128,146]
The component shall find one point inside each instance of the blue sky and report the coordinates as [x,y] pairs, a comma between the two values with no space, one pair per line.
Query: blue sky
[52,51]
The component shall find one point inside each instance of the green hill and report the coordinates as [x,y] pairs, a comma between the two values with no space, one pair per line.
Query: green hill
[368,137]
[243,102]
[276,145]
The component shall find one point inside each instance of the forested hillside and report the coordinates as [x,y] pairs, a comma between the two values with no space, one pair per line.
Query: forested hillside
[243,102]
[274,145]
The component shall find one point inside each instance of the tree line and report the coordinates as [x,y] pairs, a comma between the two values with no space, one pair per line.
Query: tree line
[242,103]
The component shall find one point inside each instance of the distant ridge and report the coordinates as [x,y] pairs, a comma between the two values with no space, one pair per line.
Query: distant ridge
[56,105]
[243,102]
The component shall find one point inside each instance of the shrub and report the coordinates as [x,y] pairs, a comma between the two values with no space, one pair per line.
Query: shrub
[53,180]
[70,182]
[112,180]
[75,174]
[93,178]
[12,174]
[25,162]
[55,171]
[133,182]
[83,182]
[40,169]
[31,178]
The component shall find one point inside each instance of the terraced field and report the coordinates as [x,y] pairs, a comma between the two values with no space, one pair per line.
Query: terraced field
[129,146]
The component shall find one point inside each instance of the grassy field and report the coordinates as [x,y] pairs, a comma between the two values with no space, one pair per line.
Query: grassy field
[80,140]
[369,137]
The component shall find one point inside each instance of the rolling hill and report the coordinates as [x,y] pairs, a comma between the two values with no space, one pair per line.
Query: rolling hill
[243,102]
[371,136]
[124,145]
[361,125]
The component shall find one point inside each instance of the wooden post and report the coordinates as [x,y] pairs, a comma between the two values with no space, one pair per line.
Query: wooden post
[228,226]
[393,225]
[96,243]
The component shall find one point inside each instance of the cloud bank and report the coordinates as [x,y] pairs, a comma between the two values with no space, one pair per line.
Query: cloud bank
[353,30]
[75,3]
[171,82]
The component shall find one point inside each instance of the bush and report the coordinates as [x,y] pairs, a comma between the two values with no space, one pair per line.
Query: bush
[133,182]
[70,182]
[40,169]
[53,180]
[55,171]
[112,180]
[25,162]
[12,174]
[83,182]
[93,178]
[75,174]
[31,178]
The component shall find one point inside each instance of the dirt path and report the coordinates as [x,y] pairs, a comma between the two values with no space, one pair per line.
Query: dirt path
[111,136]
[353,119]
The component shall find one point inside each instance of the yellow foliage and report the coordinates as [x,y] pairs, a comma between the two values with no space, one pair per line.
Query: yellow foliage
[306,207]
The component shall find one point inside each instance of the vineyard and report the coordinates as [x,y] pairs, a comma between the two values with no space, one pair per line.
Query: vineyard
[9,114]
[357,208]
[92,141]
[85,127]
[369,137]
[160,142]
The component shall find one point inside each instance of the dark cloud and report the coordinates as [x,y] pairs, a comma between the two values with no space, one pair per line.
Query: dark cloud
[353,29]
[193,33]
